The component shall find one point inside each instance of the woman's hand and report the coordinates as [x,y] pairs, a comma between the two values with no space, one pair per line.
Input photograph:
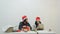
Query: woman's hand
[26,28]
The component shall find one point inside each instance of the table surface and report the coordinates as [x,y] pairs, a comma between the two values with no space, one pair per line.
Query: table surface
[30,32]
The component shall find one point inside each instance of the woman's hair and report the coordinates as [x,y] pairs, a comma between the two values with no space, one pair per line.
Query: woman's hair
[24,22]
[37,23]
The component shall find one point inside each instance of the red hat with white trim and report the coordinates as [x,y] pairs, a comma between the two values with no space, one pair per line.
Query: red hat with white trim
[24,17]
[37,18]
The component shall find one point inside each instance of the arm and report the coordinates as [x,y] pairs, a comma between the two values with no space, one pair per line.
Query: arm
[30,26]
[20,26]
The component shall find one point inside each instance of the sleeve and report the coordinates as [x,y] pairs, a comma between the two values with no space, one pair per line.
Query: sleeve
[20,25]
[30,26]
[36,24]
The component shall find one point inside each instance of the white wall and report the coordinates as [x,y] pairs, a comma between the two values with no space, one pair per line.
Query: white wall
[11,12]
[58,16]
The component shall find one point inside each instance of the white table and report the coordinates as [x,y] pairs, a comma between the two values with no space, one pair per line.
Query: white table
[45,32]
[31,32]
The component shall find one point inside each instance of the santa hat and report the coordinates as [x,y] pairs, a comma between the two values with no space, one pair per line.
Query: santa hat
[24,17]
[37,18]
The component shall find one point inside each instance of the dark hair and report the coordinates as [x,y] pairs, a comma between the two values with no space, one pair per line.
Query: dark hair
[25,21]
[37,23]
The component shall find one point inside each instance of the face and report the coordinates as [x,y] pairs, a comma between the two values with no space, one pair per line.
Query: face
[26,21]
[38,21]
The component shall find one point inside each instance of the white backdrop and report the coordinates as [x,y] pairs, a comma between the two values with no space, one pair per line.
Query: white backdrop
[11,12]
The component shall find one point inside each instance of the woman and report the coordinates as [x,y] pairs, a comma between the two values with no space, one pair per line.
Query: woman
[39,25]
[24,25]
